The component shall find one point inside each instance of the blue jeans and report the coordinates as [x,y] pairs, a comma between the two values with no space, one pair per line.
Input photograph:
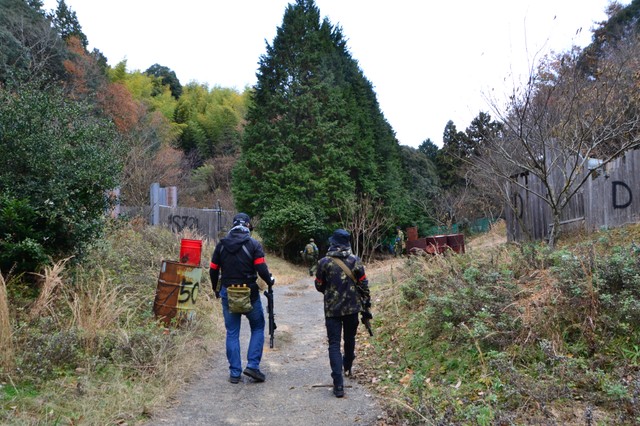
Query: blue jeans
[232,323]
[335,326]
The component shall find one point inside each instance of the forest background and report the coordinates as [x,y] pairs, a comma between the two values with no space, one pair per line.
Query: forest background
[326,146]
[303,151]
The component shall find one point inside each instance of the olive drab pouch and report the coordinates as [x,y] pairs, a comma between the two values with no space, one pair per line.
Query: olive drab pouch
[239,297]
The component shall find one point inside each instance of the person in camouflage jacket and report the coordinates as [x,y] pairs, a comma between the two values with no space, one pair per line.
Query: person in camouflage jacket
[344,298]
[310,256]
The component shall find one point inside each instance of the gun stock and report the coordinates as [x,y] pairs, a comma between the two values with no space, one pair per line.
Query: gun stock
[272,320]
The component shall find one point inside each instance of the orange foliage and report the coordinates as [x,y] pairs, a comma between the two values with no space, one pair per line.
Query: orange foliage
[118,104]
[85,78]
[77,68]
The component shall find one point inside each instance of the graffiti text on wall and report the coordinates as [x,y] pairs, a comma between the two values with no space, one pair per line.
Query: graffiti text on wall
[178,223]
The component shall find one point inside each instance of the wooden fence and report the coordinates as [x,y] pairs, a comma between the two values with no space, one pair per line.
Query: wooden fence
[164,211]
[610,198]
[209,222]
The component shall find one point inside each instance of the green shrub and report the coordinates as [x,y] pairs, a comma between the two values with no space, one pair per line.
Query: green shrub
[619,272]
[287,227]
[50,354]
[19,240]
[56,163]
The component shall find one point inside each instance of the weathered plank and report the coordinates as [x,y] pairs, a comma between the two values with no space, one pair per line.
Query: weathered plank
[609,198]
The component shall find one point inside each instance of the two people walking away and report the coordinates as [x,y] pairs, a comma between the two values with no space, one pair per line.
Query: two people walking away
[236,263]
[341,278]
[310,256]
[238,260]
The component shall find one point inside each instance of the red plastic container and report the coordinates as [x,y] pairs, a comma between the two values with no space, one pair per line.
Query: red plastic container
[190,251]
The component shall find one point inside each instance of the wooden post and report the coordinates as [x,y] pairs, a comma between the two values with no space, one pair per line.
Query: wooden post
[154,196]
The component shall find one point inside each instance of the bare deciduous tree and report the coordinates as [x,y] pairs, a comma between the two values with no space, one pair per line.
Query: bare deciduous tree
[366,219]
[560,120]
[30,44]
[211,183]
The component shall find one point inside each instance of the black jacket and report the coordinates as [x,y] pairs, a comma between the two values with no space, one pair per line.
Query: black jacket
[238,259]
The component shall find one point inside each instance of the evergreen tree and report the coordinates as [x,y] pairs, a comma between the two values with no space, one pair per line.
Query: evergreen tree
[480,130]
[56,163]
[623,22]
[315,134]
[449,158]
[422,179]
[65,21]
[167,78]
[429,149]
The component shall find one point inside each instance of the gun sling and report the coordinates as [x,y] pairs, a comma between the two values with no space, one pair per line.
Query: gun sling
[345,268]
[349,273]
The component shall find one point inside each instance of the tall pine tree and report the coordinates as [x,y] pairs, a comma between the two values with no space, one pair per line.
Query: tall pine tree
[315,138]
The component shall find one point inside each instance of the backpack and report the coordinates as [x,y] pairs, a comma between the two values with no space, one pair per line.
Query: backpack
[309,249]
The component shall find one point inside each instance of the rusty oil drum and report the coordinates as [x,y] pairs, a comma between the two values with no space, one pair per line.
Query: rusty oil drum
[177,291]
[412,233]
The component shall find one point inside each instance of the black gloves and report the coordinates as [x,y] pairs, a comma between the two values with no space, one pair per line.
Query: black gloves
[366,315]
[217,294]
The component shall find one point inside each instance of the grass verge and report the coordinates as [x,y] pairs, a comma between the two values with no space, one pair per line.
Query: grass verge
[86,347]
[512,334]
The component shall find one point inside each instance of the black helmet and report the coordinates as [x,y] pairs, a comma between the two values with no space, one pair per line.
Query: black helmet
[242,219]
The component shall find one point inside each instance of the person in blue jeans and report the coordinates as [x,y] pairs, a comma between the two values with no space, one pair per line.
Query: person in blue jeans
[238,260]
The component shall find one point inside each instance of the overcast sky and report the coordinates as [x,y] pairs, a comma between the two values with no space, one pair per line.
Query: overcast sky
[429,61]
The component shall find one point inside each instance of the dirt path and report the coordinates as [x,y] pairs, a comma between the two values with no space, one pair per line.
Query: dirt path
[294,368]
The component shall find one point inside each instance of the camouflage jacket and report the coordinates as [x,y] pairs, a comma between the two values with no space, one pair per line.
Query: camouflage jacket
[342,296]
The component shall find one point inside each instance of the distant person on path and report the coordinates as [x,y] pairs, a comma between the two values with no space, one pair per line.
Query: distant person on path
[310,256]
[400,244]
[236,262]
[342,280]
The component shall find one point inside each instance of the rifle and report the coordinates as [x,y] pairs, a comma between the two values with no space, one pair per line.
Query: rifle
[272,321]
[365,317]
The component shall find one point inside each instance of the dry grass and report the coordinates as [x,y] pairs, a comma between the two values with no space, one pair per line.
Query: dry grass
[6,341]
[52,279]
[496,236]
[285,273]
[537,303]
[106,303]
[96,307]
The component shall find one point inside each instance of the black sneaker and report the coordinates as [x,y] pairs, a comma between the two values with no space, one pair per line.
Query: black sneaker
[254,374]
[234,379]
[347,372]
[338,391]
